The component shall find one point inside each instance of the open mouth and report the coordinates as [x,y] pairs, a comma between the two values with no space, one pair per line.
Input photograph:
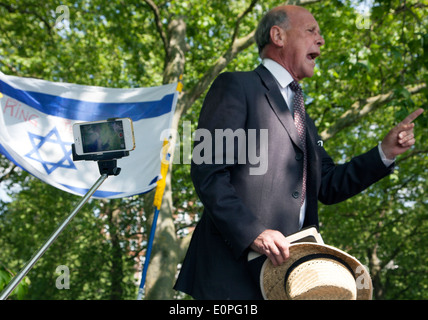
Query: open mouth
[312,56]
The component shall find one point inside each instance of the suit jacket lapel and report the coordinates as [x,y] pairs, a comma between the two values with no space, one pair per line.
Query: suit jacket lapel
[278,105]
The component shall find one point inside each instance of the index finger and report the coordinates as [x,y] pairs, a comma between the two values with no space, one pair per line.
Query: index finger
[411,117]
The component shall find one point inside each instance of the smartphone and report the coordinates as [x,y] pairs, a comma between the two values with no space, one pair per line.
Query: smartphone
[105,136]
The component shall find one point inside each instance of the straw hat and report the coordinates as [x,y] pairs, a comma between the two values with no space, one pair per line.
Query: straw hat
[316,272]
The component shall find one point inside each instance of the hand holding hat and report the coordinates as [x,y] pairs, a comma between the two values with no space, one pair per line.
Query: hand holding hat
[316,272]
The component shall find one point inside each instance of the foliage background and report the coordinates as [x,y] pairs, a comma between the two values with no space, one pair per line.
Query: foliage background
[371,74]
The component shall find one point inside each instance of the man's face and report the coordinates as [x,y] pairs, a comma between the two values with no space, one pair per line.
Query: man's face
[302,44]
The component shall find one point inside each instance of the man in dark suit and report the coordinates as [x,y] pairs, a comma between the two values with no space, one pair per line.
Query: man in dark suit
[254,206]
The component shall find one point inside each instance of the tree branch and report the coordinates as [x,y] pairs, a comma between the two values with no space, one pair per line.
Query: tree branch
[158,23]
[12,9]
[362,108]
[303,2]
[239,19]
[410,155]
[8,171]
[10,67]
[199,88]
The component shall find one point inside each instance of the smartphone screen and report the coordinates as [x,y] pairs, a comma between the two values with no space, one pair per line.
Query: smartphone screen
[102,137]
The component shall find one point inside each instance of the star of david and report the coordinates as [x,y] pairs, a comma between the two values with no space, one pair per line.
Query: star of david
[52,137]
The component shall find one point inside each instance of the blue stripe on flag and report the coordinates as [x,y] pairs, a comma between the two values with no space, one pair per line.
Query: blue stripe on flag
[7,155]
[101,193]
[98,193]
[74,109]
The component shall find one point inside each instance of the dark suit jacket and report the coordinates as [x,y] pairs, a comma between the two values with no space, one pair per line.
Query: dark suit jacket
[238,206]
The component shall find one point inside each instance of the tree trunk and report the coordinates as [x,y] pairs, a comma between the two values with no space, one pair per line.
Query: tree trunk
[116,271]
[165,252]
[375,273]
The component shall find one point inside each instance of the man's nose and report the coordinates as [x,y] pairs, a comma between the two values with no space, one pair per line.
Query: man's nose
[320,41]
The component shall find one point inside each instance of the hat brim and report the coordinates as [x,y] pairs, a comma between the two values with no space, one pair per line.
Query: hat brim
[272,278]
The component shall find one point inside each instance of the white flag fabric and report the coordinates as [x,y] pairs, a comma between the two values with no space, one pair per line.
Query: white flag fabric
[36,133]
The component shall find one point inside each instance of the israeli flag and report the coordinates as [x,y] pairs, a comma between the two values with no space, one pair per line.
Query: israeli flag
[36,120]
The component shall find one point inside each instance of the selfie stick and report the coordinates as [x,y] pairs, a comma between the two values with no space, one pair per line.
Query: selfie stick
[107,165]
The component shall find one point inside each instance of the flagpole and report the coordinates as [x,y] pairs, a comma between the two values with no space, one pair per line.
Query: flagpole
[148,254]
[157,203]
[18,278]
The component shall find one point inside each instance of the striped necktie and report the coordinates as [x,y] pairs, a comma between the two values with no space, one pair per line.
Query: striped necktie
[299,121]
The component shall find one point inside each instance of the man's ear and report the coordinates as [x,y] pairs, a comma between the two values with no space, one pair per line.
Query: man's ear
[278,36]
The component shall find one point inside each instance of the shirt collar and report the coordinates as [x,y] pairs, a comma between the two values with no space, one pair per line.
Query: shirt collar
[281,74]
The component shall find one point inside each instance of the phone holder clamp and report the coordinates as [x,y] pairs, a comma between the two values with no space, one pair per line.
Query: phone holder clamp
[107,162]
